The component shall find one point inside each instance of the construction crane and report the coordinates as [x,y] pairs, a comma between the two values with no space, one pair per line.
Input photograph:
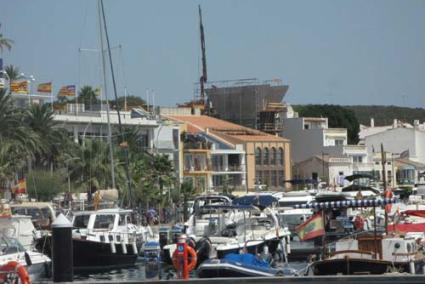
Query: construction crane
[203,78]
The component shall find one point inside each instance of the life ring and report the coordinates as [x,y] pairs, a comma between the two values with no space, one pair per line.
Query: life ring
[14,266]
[192,259]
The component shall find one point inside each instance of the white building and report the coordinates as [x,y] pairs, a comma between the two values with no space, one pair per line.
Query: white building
[404,145]
[322,152]
[95,124]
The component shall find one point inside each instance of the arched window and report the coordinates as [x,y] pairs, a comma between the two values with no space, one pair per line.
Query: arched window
[266,156]
[280,156]
[273,156]
[257,156]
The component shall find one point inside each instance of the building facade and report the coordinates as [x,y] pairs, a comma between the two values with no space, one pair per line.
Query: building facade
[223,154]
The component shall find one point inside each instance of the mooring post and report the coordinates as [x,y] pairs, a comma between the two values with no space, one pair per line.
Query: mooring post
[62,251]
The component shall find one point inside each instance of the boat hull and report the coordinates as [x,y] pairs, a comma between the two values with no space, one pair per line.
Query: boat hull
[221,268]
[98,255]
[350,266]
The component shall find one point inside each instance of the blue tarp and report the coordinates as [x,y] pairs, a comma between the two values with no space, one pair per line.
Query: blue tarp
[257,200]
[246,258]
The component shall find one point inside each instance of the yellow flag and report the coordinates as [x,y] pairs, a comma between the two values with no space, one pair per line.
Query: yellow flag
[19,87]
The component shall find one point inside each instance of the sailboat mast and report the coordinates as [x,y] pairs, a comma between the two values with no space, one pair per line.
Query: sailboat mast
[111,153]
[126,164]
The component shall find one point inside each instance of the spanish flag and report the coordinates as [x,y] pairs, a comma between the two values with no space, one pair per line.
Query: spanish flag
[311,228]
[44,87]
[67,91]
[19,87]
[20,187]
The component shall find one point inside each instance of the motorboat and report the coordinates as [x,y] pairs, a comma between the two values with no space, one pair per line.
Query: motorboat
[37,264]
[240,265]
[226,229]
[372,254]
[104,239]
[19,227]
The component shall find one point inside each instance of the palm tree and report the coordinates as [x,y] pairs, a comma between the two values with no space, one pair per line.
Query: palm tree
[17,142]
[5,42]
[87,96]
[39,118]
[91,166]
[12,72]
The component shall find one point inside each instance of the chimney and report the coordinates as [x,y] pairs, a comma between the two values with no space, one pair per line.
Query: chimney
[372,122]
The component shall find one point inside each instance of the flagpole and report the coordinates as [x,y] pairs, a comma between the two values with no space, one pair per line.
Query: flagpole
[324,235]
[51,95]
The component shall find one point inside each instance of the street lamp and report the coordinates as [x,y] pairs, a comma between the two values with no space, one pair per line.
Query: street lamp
[69,176]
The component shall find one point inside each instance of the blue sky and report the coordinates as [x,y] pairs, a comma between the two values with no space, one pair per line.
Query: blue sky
[340,52]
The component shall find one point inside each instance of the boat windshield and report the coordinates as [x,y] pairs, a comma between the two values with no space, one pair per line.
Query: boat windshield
[104,222]
[9,246]
[81,221]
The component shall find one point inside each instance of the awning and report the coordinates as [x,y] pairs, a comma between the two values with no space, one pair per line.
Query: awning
[348,203]
[406,228]
[417,213]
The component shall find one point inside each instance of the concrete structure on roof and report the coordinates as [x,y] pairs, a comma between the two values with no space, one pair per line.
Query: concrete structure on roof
[219,155]
[241,101]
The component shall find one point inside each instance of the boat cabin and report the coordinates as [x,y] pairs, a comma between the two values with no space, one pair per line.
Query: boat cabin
[101,220]
[42,213]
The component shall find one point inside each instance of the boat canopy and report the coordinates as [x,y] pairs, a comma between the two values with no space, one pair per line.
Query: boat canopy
[348,203]
[261,200]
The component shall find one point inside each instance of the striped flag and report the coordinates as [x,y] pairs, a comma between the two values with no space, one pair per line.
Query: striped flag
[19,87]
[311,228]
[44,87]
[20,187]
[67,91]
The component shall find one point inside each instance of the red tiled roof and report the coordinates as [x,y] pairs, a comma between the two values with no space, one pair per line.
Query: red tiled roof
[197,123]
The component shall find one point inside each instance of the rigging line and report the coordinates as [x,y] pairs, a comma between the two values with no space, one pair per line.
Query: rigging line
[111,153]
[118,110]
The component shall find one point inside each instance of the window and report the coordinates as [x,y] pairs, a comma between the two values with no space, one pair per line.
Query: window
[266,156]
[339,142]
[280,156]
[258,156]
[281,178]
[104,222]
[273,156]
[306,126]
[258,177]
[274,178]
[81,221]
[266,178]
[357,159]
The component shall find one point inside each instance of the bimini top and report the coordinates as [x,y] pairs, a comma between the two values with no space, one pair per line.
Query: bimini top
[348,203]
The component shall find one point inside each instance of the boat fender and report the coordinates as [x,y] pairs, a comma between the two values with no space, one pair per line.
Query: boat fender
[124,247]
[14,266]
[134,248]
[113,248]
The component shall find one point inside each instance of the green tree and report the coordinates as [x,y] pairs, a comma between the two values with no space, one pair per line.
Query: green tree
[17,142]
[87,96]
[187,190]
[39,118]
[12,72]
[45,185]
[338,116]
[132,102]
[5,42]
